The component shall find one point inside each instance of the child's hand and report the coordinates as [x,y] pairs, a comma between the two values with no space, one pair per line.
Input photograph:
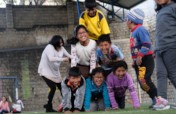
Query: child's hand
[136,107]
[107,109]
[67,112]
[66,59]
[115,108]
[60,108]
[139,60]
[87,110]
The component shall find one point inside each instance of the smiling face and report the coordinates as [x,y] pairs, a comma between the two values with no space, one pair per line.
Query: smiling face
[75,81]
[162,2]
[104,46]
[98,79]
[91,12]
[120,72]
[82,35]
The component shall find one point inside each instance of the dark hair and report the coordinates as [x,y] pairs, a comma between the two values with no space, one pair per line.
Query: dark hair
[74,71]
[90,4]
[74,40]
[158,7]
[104,38]
[97,70]
[55,41]
[118,64]
[5,97]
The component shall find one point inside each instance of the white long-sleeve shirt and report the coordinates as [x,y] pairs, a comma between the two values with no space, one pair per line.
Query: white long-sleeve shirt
[50,62]
[84,55]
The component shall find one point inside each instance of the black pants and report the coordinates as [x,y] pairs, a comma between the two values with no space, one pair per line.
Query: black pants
[52,85]
[144,73]
[121,102]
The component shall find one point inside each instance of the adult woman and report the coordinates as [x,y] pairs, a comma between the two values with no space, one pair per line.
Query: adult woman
[165,49]
[52,56]
[4,106]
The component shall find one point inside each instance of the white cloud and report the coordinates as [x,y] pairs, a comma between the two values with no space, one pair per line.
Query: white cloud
[148,7]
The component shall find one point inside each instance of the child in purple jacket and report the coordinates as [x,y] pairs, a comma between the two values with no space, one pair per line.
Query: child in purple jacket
[117,83]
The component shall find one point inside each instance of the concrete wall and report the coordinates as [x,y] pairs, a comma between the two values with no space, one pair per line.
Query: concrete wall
[26,26]
[2,18]
[25,30]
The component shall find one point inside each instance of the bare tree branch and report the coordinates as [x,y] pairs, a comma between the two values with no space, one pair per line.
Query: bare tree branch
[39,2]
[59,2]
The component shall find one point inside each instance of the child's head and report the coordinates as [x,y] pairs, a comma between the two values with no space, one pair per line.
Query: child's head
[104,43]
[90,6]
[74,76]
[4,99]
[135,17]
[120,68]
[98,76]
[80,34]
[57,41]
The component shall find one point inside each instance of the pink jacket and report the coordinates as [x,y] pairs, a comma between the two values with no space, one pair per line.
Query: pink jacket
[4,106]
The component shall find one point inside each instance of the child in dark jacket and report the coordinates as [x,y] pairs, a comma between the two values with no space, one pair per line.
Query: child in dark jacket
[117,83]
[73,90]
[96,95]
[142,53]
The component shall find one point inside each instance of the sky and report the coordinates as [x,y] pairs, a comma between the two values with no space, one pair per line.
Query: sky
[148,7]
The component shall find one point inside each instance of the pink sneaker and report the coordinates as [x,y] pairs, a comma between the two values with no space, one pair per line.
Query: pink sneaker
[161,104]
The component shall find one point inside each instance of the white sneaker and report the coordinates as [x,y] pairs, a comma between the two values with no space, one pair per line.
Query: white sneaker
[163,107]
[161,104]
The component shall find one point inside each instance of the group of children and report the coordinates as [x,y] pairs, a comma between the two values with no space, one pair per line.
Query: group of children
[98,78]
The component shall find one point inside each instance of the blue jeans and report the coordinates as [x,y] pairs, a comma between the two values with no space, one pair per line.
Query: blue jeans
[4,111]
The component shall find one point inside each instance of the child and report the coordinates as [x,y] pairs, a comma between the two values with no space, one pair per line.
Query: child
[107,53]
[4,106]
[142,53]
[165,49]
[52,56]
[96,95]
[94,20]
[73,89]
[117,83]
[83,51]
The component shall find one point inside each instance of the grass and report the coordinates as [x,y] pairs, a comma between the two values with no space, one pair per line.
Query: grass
[128,110]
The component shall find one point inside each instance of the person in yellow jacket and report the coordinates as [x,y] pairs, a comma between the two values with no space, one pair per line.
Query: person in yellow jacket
[94,20]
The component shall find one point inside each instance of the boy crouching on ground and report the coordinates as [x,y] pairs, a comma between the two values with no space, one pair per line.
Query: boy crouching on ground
[73,90]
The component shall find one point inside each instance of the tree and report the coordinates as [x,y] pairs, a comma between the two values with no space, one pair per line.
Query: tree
[39,2]
[10,1]
[59,2]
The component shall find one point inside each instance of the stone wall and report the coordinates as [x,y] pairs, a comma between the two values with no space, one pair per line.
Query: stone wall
[25,30]
[26,26]
[23,63]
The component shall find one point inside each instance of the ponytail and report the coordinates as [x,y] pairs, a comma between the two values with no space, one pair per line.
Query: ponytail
[73,41]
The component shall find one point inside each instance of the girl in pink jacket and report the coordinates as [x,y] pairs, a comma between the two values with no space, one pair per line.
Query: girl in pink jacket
[4,106]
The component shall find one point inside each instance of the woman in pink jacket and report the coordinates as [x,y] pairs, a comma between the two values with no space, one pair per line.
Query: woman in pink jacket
[4,106]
